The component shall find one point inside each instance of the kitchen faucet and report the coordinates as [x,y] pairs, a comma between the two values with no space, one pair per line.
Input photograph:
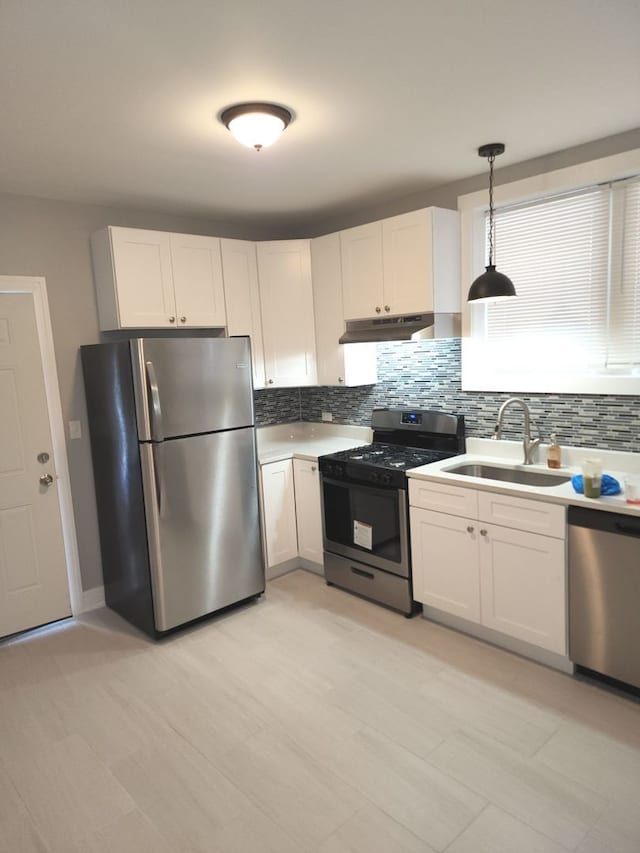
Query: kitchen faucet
[529,444]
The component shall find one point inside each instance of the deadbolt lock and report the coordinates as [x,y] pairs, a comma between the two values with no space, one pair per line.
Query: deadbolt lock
[43,458]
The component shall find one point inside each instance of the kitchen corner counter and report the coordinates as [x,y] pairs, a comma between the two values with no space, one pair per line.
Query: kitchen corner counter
[482,451]
[307,440]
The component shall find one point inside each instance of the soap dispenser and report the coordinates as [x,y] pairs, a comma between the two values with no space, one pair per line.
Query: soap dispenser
[554,454]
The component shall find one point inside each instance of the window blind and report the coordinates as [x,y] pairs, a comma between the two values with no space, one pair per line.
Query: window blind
[575,263]
[556,254]
[624,336]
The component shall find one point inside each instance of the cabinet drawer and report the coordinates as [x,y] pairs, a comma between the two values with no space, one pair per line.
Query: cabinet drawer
[442,497]
[523,514]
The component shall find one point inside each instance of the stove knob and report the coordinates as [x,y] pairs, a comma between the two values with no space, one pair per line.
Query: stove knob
[373,476]
[386,479]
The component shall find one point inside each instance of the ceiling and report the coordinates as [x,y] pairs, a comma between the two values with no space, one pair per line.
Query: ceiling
[115,102]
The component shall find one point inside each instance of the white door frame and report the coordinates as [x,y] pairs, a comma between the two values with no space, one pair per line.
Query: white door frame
[37,287]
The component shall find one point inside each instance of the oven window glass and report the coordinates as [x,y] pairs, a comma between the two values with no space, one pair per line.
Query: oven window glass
[376,512]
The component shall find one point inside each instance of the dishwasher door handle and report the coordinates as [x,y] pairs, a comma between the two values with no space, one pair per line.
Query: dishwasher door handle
[624,527]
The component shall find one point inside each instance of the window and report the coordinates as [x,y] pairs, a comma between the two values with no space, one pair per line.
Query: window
[574,258]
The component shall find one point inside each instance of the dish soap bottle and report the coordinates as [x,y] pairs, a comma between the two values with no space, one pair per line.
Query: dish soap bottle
[554,454]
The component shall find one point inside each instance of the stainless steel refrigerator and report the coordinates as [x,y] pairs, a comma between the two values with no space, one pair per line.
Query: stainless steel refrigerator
[175,468]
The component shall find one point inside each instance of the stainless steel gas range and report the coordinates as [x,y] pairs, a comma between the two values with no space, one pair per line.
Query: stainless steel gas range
[365,510]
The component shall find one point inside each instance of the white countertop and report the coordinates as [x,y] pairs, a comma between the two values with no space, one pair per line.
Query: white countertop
[307,440]
[484,451]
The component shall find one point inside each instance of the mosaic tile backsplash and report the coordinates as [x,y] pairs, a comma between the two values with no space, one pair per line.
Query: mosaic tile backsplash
[426,375]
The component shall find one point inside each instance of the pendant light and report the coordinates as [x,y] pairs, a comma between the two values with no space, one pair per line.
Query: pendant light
[256,125]
[491,285]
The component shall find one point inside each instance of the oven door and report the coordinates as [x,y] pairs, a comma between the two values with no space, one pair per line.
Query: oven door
[367,524]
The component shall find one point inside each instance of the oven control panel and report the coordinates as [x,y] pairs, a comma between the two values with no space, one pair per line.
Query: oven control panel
[413,418]
[361,473]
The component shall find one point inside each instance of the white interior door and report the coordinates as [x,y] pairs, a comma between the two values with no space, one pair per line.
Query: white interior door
[33,576]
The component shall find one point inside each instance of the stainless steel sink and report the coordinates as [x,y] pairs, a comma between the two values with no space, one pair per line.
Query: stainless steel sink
[508,475]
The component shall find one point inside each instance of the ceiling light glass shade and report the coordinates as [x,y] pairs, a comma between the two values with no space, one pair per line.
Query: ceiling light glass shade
[256,125]
[491,286]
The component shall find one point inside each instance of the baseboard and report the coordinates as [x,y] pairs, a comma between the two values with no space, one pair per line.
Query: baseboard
[496,638]
[311,566]
[92,599]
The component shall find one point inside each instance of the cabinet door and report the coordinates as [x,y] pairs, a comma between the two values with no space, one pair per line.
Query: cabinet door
[143,278]
[523,586]
[308,509]
[242,299]
[362,291]
[406,250]
[197,280]
[279,511]
[286,300]
[338,364]
[444,551]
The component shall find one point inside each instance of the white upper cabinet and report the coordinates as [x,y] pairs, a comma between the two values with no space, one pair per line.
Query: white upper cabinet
[153,279]
[286,300]
[242,298]
[406,264]
[197,280]
[338,364]
[362,283]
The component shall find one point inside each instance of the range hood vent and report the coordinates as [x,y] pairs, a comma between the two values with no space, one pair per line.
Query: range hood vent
[412,327]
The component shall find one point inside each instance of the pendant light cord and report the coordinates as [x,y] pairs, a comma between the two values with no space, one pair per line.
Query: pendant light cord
[492,157]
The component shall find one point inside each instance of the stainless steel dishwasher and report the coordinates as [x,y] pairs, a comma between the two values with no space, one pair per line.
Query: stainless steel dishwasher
[604,593]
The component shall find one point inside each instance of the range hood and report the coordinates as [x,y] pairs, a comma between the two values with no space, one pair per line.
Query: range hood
[411,327]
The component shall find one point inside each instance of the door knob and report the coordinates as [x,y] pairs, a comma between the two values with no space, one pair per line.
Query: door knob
[183,319]
[469,529]
[270,381]
[172,319]
[483,533]
[46,480]
[378,309]
[387,308]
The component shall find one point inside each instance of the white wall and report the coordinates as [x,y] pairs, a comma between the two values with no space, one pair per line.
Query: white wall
[48,238]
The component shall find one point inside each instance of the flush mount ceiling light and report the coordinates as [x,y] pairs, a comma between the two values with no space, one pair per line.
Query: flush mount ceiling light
[256,125]
[491,285]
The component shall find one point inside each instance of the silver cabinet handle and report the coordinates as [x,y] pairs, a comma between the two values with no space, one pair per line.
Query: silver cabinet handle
[183,319]
[470,529]
[46,480]
[483,533]
[340,379]
[155,413]
[270,381]
[172,319]
[378,309]
[387,308]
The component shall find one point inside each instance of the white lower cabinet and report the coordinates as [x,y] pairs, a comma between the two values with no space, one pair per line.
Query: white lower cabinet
[522,586]
[291,511]
[506,579]
[279,511]
[444,552]
[308,509]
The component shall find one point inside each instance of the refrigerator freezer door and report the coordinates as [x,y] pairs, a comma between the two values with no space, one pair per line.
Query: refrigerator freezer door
[203,525]
[187,386]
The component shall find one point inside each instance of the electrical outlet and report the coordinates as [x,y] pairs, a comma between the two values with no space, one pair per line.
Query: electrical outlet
[327,417]
[75,429]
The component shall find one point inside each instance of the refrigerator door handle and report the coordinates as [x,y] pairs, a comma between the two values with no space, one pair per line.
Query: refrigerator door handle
[157,478]
[151,484]
[155,409]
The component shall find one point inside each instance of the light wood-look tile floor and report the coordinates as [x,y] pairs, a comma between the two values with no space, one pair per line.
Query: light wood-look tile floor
[309,721]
